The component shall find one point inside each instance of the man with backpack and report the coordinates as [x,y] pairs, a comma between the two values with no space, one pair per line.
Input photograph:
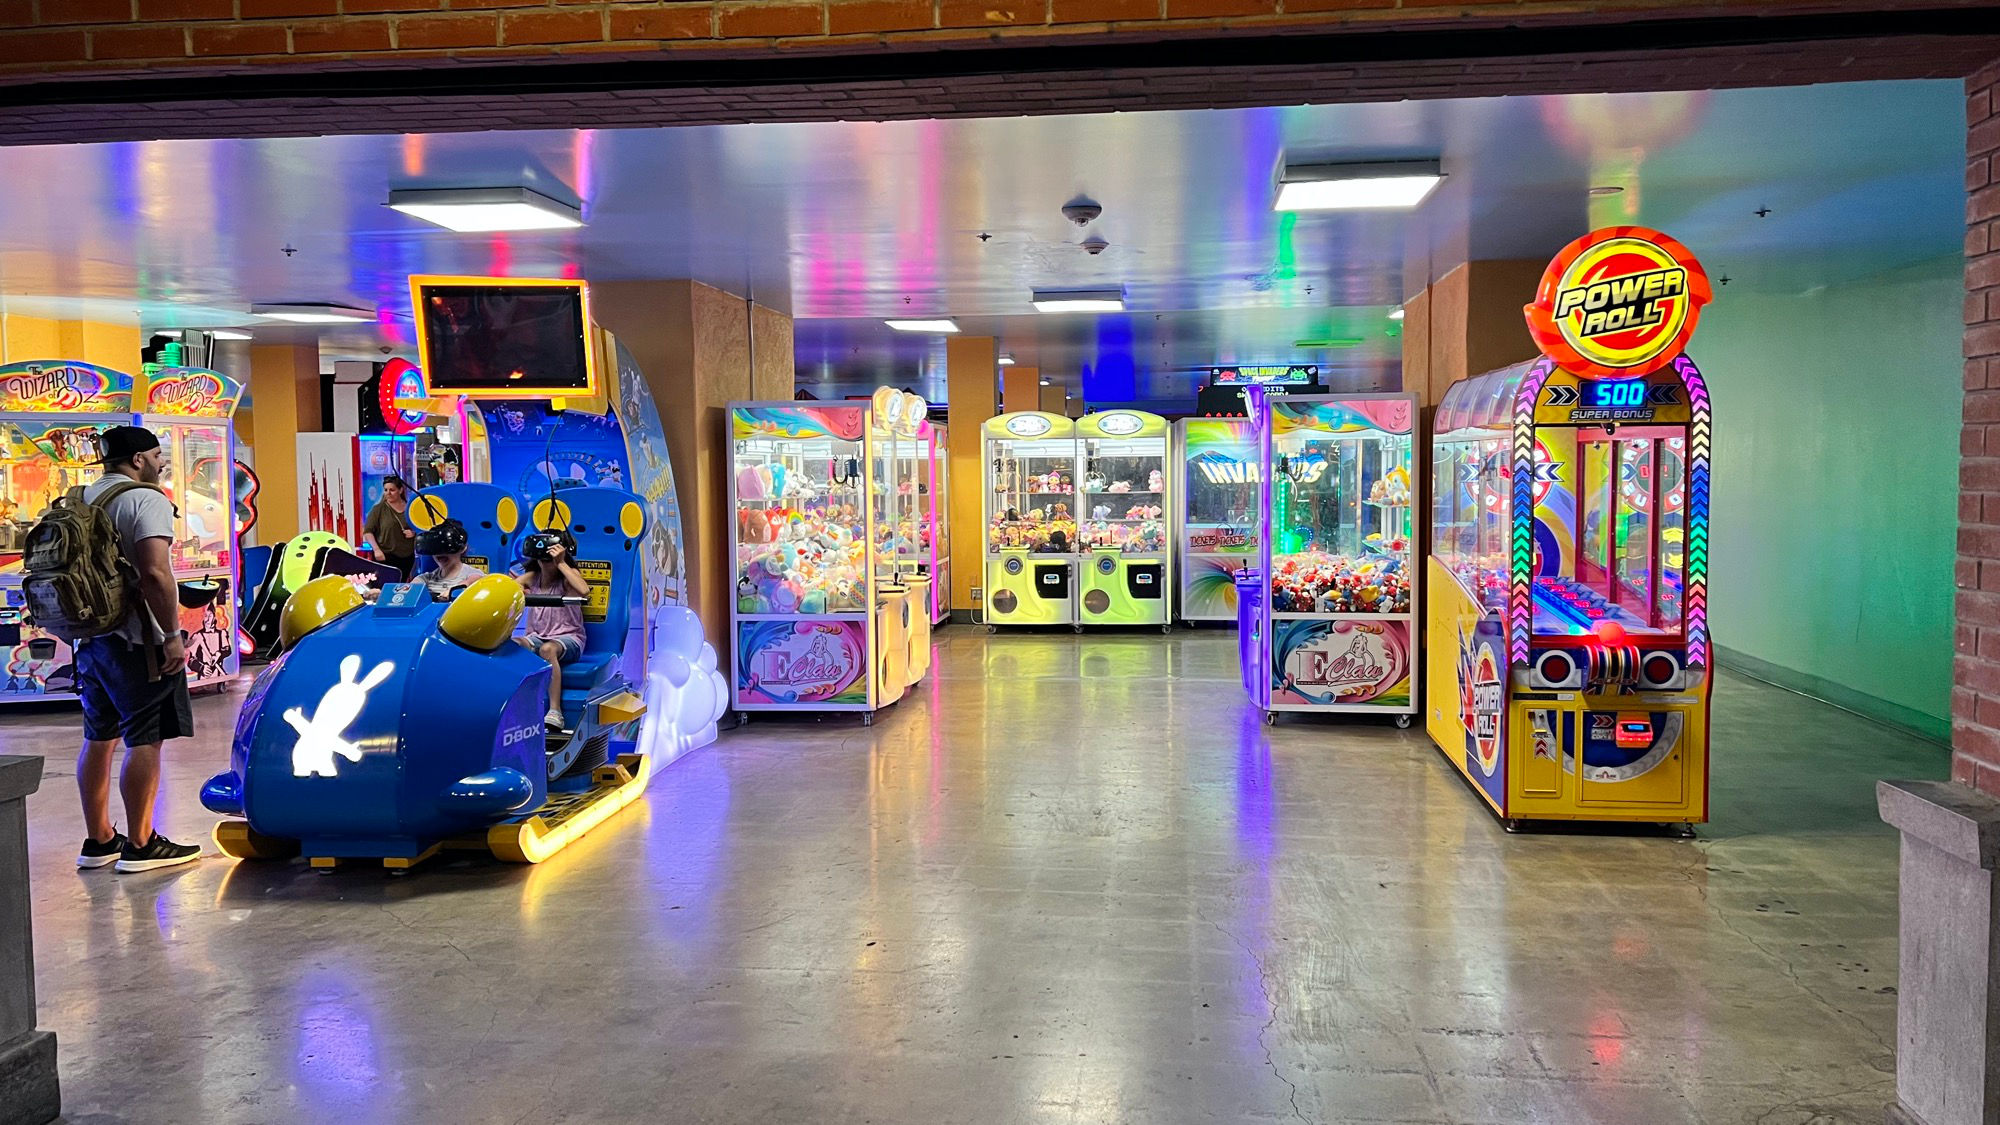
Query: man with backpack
[108,585]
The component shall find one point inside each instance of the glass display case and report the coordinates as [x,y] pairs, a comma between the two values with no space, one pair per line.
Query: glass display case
[1339,595]
[1030,459]
[934,530]
[1123,500]
[812,597]
[1217,522]
[190,409]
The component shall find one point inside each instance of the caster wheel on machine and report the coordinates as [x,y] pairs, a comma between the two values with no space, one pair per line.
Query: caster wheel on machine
[1511,825]
[1167,630]
[1270,718]
[1076,628]
[868,720]
[1403,721]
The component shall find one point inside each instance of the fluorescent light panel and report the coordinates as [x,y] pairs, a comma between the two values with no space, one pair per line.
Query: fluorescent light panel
[1006,361]
[1396,315]
[473,210]
[944,326]
[1390,185]
[1079,300]
[228,334]
[313,314]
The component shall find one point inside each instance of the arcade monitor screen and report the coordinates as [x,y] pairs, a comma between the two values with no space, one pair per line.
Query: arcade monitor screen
[505,339]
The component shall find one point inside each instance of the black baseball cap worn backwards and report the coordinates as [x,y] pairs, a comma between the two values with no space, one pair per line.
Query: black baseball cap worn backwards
[120,442]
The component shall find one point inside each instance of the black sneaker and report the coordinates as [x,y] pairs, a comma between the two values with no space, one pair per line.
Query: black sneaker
[94,854]
[159,852]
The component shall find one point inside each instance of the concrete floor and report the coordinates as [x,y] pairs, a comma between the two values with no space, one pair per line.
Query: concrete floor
[1069,880]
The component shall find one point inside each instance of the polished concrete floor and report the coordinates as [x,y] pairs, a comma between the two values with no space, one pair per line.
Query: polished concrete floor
[1069,880]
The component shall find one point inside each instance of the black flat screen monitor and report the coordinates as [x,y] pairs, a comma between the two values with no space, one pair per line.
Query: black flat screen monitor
[499,340]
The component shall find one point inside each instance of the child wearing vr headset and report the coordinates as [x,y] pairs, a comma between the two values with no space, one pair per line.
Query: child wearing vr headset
[554,632]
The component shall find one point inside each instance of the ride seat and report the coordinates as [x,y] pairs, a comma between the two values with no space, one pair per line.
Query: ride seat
[608,525]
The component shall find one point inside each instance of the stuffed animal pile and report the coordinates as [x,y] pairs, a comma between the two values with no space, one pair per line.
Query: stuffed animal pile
[1038,529]
[1318,582]
[790,560]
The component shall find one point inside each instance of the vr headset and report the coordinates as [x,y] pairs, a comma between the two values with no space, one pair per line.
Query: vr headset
[541,545]
[447,537]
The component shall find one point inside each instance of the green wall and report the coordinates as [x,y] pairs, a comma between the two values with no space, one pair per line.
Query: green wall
[1835,496]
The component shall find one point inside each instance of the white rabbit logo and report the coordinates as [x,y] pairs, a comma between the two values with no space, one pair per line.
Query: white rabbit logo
[320,737]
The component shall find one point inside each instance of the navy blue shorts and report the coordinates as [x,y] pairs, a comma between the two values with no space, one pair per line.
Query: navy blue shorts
[122,701]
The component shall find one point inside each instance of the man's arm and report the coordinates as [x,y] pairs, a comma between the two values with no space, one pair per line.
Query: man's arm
[159,591]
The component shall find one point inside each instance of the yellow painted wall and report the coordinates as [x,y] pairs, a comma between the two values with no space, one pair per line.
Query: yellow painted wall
[1020,389]
[284,398]
[971,396]
[24,338]
[693,344]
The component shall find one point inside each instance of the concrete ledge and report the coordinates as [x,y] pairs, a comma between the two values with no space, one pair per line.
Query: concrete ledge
[1960,822]
[20,775]
[29,1093]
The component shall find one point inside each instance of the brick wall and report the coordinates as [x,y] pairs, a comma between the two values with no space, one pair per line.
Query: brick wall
[108,70]
[42,37]
[1975,702]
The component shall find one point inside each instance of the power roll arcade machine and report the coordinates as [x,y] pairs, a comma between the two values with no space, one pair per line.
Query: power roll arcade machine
[1568,667]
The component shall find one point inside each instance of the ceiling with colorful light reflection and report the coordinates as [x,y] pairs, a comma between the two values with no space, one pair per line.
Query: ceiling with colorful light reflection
[843,224]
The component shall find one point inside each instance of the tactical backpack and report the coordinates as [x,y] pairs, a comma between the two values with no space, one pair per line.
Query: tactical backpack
[77,583]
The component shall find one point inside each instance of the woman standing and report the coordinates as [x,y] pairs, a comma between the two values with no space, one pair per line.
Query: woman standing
[388,525]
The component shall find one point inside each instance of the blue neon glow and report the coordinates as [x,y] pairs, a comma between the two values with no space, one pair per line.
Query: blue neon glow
[1623,393]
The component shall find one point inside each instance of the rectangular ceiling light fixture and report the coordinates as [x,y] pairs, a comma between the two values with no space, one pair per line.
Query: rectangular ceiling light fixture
[473,210]
[1384,186]
[228,334]
[313,313]
[1079,300]
[935,326]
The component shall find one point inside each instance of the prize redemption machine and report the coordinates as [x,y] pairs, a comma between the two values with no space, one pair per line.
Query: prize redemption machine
[1335,628]
[817,624]
[1123,499]
[50,415]
[1031,534]
[1219,486]
[1569,655]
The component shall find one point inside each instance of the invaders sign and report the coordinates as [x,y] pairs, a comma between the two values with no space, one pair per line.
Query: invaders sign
[1618,303]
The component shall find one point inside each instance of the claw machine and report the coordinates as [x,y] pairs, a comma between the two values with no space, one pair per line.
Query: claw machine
[1336,630]
[1217,516]
[50,415]
[935,529]
[813,624]
[1122,501]
[899,471]
[191,410]
[1031,534]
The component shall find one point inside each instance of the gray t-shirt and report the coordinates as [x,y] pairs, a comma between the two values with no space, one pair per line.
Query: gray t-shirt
[138,514]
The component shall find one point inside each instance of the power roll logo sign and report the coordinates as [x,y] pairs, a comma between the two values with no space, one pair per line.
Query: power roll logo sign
[1618,303]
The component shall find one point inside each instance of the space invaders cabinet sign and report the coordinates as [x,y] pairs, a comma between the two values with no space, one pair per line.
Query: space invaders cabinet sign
[1568,659]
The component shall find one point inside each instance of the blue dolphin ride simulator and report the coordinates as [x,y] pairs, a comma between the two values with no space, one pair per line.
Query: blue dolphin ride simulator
[389,731]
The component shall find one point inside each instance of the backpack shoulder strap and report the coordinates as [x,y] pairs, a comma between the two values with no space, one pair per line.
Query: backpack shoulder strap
[120,489]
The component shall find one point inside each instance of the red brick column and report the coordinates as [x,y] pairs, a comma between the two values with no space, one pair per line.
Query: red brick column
[1975,702]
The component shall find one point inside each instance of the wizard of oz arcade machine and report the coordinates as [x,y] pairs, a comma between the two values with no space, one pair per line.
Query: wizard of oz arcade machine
[1568,669]
[50,415]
